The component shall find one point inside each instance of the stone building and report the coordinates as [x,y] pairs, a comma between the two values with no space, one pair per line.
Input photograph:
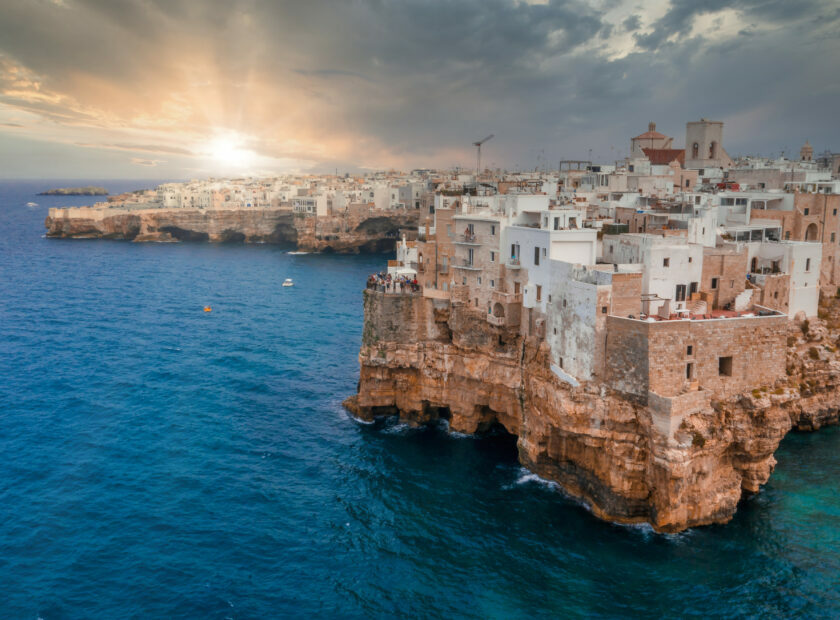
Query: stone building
[704,145]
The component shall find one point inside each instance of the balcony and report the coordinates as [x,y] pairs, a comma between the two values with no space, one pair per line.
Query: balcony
[513,263]
[506,298]
[466,239]
[498,321]
[467,264]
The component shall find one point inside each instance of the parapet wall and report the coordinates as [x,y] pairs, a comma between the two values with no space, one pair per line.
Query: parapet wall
[666,357]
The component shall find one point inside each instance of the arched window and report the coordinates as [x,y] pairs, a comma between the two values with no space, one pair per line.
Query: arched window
[695,151]
[812,232]
[713,150]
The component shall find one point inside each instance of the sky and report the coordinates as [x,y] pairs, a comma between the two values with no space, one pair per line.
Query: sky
[197,88]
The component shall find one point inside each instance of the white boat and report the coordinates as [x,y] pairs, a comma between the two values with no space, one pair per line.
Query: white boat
[297,253]
[31,204]
[288,282]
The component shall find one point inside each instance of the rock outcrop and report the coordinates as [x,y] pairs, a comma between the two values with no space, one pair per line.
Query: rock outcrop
[370,232]
[425,360]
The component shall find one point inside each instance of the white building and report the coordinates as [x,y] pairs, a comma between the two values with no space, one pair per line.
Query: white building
[673,267]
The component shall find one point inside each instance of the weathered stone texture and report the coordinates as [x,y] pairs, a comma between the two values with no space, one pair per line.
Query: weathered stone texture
[674,462]
[354,232]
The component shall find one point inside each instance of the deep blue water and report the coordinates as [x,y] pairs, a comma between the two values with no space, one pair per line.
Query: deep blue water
[158,461]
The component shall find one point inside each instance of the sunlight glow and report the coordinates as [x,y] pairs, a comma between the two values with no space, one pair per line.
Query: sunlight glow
[227,151]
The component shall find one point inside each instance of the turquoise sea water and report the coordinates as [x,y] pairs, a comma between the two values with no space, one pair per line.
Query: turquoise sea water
[160,462]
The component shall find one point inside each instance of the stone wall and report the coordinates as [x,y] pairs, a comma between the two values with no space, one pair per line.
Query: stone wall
[655,356]
[774,292]
[730,268]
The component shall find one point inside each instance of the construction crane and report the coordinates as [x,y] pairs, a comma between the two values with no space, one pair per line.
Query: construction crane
[477,145]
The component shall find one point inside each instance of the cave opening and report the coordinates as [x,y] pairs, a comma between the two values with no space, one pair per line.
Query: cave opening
[495,436]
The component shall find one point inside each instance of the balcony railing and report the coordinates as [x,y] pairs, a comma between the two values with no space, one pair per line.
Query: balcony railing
[467,238]
[498,321]
[466,263]
[506,298]
[513,263]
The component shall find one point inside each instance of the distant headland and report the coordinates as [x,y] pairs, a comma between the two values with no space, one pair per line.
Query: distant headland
[90,190]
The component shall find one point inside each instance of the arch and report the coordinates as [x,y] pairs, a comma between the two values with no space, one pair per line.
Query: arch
[754,267]
[498,310]
[713,150]
[812,232]
[695,151]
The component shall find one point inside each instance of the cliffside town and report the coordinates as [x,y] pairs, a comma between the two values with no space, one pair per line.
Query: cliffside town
[648,330]
[317,214]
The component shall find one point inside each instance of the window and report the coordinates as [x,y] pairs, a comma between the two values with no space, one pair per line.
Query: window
[536,256]
[564,303]
[692,288]
[689,350]
[630,167]
[834,212]
[689,371]
[603,309]
[555,331]
[549,299]
[725,366]
[492,257]
[492,229]
[807,264]
[611,248]
[492,284]
[787,235]
[690,259]
[776,295]
[544,252]
[732,284]
[479,280]
[666,262]
[470,256]
[806,210]
[539,293]
[465,281]
[680,292]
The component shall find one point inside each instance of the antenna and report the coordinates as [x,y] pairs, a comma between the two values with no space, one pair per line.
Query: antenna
[477,145]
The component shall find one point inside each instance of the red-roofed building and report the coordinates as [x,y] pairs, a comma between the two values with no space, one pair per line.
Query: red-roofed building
[651,139]
[663,157]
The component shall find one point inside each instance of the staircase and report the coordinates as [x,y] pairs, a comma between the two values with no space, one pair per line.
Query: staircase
[743,300]
[697,306]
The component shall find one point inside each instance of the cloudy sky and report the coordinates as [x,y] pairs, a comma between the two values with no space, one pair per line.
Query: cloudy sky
[190,88]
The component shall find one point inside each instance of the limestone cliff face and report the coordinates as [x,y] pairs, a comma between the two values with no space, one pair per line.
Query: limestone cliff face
[374,232]
[424,360]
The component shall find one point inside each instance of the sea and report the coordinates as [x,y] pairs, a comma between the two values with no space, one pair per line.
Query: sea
[159,461]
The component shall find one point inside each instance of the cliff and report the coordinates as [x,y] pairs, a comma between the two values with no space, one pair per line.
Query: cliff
[369,232]
[88,190]
[424,360]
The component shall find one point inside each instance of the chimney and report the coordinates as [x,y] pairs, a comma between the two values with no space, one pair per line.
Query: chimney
[651,126]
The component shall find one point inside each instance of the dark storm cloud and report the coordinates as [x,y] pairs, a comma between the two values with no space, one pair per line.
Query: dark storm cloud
[418,81]
[632,23]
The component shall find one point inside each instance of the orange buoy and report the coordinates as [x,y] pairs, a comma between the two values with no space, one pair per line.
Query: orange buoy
[208,309]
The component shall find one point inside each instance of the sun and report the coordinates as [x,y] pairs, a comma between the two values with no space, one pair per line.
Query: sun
[227,151]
